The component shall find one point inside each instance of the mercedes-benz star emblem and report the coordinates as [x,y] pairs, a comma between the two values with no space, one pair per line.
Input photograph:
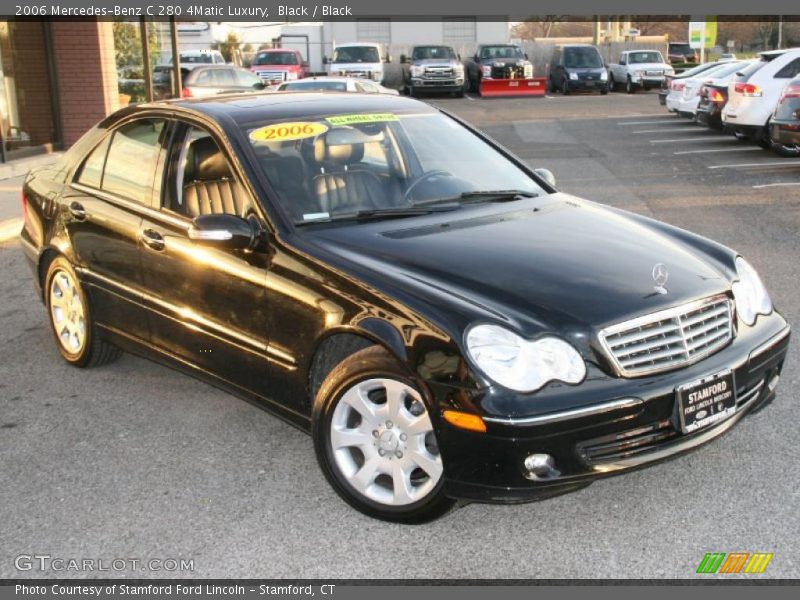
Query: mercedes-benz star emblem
[660,276]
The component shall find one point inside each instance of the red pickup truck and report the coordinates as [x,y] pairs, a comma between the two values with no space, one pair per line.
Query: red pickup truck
[276,65]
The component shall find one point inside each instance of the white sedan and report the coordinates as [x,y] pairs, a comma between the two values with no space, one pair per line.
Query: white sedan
[334,84]
[684,94]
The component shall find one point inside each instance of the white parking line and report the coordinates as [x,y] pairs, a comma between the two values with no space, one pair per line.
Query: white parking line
[739,149]
[687,130]
[785,183]
[689,139]
[761,164]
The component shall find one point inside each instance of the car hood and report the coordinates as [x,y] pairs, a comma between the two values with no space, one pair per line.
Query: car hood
[649,66]
[356,66]
[434,62]
[540,264]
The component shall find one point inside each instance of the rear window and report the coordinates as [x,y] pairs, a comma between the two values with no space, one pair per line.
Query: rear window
[745,73]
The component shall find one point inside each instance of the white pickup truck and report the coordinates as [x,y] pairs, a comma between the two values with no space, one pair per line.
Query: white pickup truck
[638,69]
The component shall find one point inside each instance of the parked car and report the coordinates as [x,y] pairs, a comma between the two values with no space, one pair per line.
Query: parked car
[679,52]
[577,67]
[190,59]
[785,121]
[358,60]
[275,65]
[686,100]
[637,69]
[754,92]
[433,69]
[713,97]
[497,61]
[443,321]
[677,81]
[219,79]
[727,56]
[335,84]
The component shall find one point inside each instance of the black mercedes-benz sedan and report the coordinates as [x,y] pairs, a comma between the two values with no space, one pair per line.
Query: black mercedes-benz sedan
[444,322]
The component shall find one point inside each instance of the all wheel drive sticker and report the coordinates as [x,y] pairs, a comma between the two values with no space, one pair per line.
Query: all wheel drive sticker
[287,132]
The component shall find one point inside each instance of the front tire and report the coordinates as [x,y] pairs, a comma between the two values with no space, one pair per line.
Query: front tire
[629,87]
[375,442]
[565,87]
[610,82]
[71,319]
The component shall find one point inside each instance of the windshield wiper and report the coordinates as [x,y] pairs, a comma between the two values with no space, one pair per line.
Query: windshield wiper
[481,196]
[374,214]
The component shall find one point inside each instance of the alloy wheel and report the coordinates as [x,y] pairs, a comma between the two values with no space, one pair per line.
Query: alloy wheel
[383,442]
[67,312]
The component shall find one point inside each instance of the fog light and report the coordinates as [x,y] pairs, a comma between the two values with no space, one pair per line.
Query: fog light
[773,383]
[541,466]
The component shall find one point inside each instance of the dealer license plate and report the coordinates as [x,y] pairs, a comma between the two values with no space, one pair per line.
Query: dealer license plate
[706,401]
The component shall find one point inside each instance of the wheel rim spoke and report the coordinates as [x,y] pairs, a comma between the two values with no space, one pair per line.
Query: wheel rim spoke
[401,479]
[366,475]
[348,438]
[432,465]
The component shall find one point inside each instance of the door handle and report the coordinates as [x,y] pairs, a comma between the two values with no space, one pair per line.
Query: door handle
[77,211]
[152,239]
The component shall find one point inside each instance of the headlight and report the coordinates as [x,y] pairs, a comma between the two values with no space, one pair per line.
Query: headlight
[486,70]
[573,75]
[459,70]
[750,294]
[290,75]
[417,71]
[527,71]
[604,76]
[377,75]
[523,365]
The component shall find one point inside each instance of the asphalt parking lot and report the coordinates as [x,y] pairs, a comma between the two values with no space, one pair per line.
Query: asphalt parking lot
[134,460]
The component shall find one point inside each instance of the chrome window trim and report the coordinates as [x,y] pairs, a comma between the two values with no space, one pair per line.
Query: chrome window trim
[669,313]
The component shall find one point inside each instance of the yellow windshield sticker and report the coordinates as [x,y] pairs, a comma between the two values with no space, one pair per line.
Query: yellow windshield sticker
[356,119]
[286,132]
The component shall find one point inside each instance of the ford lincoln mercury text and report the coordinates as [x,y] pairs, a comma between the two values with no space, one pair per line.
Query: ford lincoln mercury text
[444,322]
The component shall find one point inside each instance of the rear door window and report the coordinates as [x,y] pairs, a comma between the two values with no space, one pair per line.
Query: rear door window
[91,172]
[132,159]
[790,71]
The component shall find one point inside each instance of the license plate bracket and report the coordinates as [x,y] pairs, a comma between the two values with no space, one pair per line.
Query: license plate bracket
[706,401]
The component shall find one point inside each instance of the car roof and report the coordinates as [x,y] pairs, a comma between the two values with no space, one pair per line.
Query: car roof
[245,109]
[356,44]
[278,50]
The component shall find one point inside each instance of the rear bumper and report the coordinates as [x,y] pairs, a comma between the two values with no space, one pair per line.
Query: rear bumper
[489,467]
[709,114]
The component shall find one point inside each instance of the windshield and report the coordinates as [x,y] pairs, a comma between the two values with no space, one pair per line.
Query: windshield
[335,166]
[644,57]
[276,58]
[697,70]
[582,58]
[356,54]
[501,52]
[432,52]
[315,86]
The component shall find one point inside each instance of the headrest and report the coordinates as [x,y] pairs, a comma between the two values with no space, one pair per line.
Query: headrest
[339,154]
[207,161]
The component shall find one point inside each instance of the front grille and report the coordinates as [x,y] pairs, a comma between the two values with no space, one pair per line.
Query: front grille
[361,74]
[670,338]
[508,72]
[272,75]
[439,72]
[654,72]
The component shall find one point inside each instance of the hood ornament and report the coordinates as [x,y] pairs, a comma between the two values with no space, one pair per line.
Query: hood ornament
[660,277]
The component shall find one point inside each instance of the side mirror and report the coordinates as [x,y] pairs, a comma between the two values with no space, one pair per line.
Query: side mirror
[458,57]
[526,56]
[388,58]
[325,60]
[304,64]
[223,231]
[622,61]
[547,175]
[260,85]
[475,58]
[403,59]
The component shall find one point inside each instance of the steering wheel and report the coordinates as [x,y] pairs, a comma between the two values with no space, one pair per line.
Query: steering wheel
[424,177]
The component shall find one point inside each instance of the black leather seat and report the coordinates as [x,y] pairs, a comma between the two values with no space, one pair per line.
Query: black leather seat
[339,188]
[212,188]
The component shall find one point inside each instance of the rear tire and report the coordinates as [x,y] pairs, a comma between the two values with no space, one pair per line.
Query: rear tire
[71,320]
[375,442]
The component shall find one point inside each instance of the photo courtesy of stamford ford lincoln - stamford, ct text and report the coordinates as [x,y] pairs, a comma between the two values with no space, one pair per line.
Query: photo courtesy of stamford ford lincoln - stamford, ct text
[395,299]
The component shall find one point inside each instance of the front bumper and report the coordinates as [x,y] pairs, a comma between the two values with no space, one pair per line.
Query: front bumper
[587,85]
[437,85]
[648,81]
[634,425]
